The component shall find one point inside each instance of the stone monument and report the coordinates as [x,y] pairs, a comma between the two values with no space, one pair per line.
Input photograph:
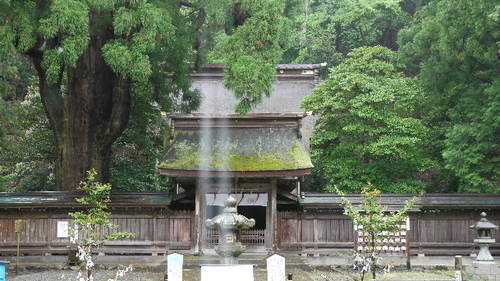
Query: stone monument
[230,224]
[174,266]
[485,267]
[276,268]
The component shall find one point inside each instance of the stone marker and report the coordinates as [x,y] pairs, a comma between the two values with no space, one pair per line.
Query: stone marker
[276,268]
[458,268]
[174,266]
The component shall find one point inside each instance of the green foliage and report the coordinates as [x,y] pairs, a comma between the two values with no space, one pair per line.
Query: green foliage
[372,120]
[95,219]
[367,21]
[251,53]
[28,147]
[378,224]
[15,77]
[26,142]
[368,128]
[4,179]
[129,57]
[317,181]
[9,72]
[140,28]
[330,29]
[316,37]
[453,46]
[135,153]
[91,224]
[136,42]
[69,17]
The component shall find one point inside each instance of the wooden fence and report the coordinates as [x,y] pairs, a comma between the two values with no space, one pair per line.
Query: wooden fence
[448,231]
[156,231]
[315,232]
[436,232]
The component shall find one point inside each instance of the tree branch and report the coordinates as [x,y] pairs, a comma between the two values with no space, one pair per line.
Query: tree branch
[475,76]
[50,94]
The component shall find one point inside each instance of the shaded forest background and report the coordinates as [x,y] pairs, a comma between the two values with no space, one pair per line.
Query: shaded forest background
[410,101]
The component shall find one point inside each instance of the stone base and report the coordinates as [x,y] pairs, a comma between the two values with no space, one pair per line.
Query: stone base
[484,270]
[485,264]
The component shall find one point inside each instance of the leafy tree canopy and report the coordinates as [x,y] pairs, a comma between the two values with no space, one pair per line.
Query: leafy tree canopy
[368,128]
[329,29]
[90,54]
[453,47]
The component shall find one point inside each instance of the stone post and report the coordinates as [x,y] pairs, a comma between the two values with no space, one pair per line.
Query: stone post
[458,268]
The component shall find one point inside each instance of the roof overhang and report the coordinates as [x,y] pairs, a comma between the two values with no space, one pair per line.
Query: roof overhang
[234,174]
[284,72]
[65,200]
[395,201]
[229,145]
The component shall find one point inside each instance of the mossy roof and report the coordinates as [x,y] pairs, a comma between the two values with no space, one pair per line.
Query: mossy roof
[258,145]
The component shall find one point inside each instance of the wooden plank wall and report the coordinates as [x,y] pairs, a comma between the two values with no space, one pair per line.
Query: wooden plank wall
[442,232]
[448,231]
[156,231]
[315,232]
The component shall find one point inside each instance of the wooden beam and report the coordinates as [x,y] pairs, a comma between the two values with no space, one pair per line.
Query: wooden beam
[271,222]
[288,195]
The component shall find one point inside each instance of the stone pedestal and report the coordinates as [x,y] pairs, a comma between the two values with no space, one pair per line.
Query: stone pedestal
[485,267]
[484,249]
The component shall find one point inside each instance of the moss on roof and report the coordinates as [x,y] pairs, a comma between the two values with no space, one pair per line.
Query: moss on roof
[237,149]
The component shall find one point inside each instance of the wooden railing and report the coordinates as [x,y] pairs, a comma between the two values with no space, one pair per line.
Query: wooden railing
[252,238]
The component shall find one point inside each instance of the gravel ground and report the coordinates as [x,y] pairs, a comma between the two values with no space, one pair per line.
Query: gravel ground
[260,275]
[105,275]
[99,275]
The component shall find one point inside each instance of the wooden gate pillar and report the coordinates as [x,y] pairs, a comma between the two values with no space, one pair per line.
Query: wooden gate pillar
[271,221]
[200,215]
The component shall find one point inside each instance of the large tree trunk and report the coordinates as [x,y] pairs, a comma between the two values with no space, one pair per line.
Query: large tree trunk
[89,116]
[96,112]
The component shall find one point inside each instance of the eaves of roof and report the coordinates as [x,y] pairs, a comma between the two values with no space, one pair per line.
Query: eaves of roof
[395,201]
[259,145]
[58,199]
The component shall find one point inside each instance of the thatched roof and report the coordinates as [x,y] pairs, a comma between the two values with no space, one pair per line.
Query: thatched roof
[236,146]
